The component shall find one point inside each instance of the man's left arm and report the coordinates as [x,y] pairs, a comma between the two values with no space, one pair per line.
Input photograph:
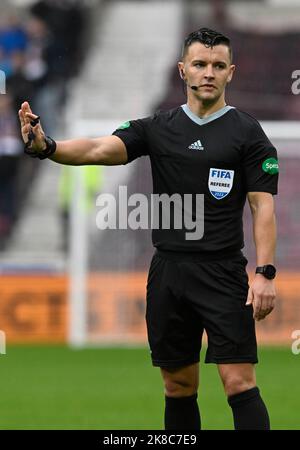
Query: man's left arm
[262,290]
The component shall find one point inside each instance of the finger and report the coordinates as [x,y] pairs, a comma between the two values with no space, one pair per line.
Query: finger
[35,121]
[265,311]
[26,107]
[267,304]
[26,128]
[37,130]
[31,116]
[249,297]
[24,111]
[272,301]
[25,131]
[256,306]
[21,117]
[268,310]
[263,306]
[263,316]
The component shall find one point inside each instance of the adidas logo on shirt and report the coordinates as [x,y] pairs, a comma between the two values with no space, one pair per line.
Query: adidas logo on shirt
[196,145]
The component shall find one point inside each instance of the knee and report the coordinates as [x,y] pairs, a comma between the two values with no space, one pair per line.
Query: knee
[180,388]
[179,385]
[236,384]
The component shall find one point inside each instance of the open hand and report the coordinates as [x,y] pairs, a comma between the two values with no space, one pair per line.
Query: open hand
[26,116]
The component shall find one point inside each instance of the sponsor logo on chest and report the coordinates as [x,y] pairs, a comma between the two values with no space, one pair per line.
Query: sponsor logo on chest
[220,182]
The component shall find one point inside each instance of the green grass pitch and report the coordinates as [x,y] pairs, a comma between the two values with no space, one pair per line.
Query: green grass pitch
[53,387]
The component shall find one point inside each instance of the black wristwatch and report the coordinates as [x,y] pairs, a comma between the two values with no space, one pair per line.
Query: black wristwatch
[267,271]
[48,151]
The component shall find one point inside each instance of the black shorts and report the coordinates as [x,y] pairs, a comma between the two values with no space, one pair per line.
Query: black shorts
[187,294]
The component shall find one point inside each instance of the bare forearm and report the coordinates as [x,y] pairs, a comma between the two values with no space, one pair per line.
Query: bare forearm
[76,152]
[105,150]
[262,292]
[264,233]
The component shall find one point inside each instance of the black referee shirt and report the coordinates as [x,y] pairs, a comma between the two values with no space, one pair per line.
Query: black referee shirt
[222,156]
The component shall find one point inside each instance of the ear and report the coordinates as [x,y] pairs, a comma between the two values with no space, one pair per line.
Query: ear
[231,72]
[181,70]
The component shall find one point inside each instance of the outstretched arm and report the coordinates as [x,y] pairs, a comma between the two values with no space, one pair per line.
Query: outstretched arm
[107,150]
[262,291]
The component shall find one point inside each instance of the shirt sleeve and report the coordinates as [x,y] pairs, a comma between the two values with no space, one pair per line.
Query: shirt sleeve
[260,162]
[133,134]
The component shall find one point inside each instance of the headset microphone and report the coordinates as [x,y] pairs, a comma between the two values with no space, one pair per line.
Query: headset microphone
[195,88]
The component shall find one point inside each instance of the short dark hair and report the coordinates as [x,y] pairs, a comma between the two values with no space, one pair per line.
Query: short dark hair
[208,37]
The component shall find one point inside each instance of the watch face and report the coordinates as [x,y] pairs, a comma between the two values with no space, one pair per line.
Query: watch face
[270,271]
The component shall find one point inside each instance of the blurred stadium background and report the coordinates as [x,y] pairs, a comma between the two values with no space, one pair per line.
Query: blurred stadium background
[72,297]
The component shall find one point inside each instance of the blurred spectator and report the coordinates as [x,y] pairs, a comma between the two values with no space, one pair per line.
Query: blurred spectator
[59,27]
[39,40]
[66,20]
[12,35]
[38,69]
[38,56]
[19,85]
[10,151]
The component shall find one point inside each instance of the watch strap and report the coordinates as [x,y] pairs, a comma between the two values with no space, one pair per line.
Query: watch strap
[48,151]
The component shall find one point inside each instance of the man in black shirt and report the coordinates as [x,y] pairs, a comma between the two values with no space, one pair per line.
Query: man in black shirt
[198,283]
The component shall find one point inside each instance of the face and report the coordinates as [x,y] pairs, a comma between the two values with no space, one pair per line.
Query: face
[209,68]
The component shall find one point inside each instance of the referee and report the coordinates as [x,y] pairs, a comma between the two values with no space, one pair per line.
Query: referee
[203,147]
